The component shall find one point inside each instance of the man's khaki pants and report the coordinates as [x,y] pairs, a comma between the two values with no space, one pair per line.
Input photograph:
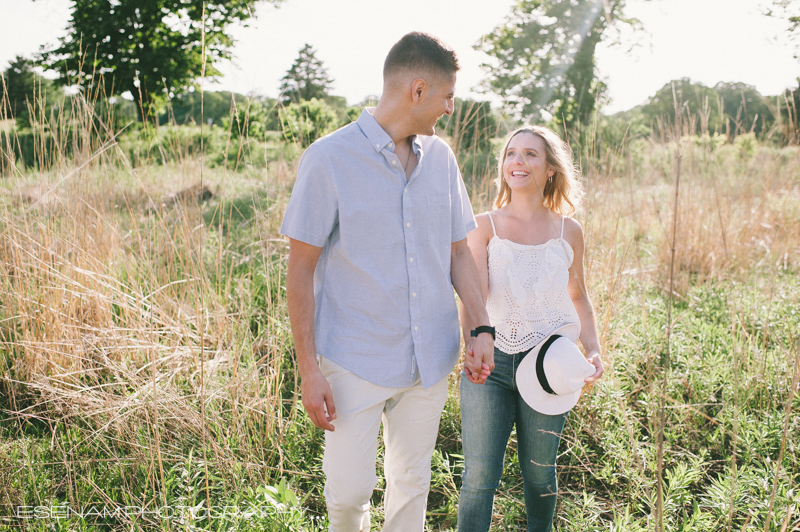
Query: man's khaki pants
[410,419]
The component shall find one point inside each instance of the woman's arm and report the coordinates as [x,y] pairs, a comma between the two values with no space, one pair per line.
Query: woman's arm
[478,239]
[580,298]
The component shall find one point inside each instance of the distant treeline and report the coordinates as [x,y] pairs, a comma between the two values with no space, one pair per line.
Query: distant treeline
[45,115]
[728,109]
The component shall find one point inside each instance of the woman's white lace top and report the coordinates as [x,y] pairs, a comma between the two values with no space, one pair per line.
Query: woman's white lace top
[528,297]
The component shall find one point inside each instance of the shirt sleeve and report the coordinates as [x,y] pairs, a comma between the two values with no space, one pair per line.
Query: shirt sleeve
[313,210]
[463,220]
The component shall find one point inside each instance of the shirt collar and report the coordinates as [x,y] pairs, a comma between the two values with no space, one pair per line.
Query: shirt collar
[375,134]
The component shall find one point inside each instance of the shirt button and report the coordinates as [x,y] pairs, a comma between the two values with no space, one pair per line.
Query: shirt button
[378,146]
[390,144]
[411,259]
[416,328]
[394,163]
[408,225]
[413,294]
[405,190]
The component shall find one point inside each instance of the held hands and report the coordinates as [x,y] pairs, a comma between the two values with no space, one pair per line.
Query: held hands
[479,359]
[318,399]
[594,358]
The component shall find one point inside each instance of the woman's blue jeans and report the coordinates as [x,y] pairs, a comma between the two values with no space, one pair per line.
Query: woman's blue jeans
[488,413]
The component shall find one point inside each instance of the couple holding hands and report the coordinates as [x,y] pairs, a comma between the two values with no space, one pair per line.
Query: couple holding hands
[381,230]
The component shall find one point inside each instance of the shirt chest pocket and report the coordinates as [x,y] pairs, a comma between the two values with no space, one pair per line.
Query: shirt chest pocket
[439,218]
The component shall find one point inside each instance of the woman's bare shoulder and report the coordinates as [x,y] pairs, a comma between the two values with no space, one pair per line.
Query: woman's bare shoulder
[484,229]
[573,232]
[571,225]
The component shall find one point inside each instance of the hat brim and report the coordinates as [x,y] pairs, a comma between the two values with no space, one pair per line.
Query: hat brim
[530,389]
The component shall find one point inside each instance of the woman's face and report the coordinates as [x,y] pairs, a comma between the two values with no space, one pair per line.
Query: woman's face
[525,164]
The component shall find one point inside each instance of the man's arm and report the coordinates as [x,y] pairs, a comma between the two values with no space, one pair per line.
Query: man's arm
[314,388]
[465,278]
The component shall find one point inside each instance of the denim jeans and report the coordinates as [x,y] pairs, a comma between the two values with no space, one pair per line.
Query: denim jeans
[488,413]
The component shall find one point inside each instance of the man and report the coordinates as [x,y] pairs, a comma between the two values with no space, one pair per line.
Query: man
[377,227]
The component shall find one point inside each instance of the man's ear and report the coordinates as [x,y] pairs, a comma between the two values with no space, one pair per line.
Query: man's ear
[418,88]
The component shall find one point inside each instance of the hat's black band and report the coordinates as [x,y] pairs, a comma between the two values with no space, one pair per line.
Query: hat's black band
[540,364]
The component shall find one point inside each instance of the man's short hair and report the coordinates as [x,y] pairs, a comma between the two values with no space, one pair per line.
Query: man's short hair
[420,52]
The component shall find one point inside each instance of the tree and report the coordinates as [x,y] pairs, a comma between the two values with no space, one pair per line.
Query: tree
[545,57]
[306,79]
[150,48]
[216,107]
[787,114]
[731,108]
[789,10]
[24,87]
[693,98]
[744,108]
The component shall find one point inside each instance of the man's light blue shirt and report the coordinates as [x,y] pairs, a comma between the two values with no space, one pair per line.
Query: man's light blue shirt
[385,308]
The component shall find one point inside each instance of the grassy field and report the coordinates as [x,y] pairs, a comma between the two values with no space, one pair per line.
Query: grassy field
[147,379]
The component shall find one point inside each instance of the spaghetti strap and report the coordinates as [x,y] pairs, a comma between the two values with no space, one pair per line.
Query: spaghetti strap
[562,228]
[493,229]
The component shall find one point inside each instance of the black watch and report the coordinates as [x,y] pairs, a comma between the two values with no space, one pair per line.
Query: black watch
[482,329]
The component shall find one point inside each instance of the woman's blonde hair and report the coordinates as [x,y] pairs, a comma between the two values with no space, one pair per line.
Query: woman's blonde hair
[564,192]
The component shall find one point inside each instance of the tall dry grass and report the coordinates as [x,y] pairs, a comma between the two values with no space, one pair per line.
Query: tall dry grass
[118,310]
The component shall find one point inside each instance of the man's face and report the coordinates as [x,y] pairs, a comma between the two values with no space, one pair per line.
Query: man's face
[437,101]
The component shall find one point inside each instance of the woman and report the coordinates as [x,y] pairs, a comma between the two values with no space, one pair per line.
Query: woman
[529,255]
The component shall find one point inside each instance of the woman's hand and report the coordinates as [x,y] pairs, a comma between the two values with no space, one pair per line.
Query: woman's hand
[477,370]
[597,362]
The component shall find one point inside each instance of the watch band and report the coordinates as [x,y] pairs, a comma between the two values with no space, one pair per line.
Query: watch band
[482,329]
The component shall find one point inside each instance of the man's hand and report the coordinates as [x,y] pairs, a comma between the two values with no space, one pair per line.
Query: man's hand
[318,399]
[479,359]
[315,390]
[594,358]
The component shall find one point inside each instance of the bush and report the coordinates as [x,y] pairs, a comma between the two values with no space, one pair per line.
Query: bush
[305,122]
[745,146]
[249,121]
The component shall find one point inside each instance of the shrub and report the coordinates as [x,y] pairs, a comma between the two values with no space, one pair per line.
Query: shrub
[249,120]
[306,121]
[745,146]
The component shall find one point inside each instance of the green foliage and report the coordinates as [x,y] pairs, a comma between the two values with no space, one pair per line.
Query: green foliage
[787,107]
[306,79]
[472,126]
[544,58]
[248,120]
[339,106]
[306,121]
[217,106]
[621,127]
[114,113]
[354,111]
[746,146]
[726,108]
[788,10]
[22,89]
[744,109]
[692,98]
[150,48]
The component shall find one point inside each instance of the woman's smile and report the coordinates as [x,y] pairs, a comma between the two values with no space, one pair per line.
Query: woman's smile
[525,160]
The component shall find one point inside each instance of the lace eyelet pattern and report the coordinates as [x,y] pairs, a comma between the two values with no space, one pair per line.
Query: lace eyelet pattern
[528,297]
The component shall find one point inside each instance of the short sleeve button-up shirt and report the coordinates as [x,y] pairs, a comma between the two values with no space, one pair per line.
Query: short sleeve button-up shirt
[385,307]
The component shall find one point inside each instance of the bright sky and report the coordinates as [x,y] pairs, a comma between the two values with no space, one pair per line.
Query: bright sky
[706,40]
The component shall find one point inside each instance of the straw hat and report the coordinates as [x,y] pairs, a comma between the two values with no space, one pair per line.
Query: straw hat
[556,363]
